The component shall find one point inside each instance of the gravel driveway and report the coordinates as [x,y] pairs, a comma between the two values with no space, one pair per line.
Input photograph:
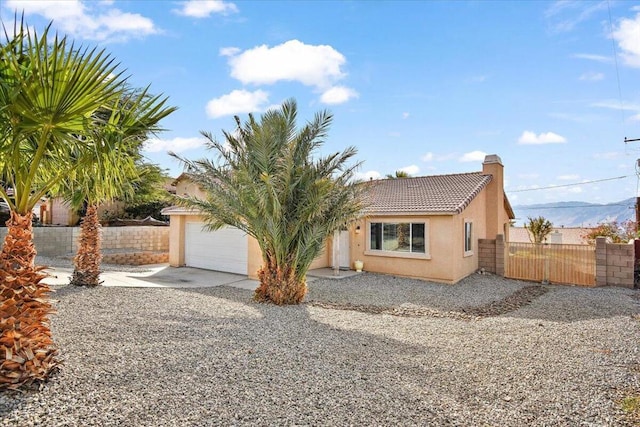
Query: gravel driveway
[368,350]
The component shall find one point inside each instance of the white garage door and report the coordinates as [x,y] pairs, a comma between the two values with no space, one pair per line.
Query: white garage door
[221,250]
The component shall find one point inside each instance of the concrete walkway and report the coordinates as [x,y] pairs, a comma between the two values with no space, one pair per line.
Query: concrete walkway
[160,276]
[163,276]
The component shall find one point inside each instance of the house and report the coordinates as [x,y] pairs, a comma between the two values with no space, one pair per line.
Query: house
[423,227]
[428,227]
[56,211]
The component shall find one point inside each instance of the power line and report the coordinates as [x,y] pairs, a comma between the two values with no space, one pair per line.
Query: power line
[570,185]
[615,59]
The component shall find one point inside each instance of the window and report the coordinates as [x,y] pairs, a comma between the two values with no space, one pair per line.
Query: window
[468,237]
[407,237]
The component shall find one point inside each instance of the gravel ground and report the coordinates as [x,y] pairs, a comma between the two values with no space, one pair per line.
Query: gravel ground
[389,352]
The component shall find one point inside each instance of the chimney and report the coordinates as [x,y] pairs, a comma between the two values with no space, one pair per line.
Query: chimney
[496,213]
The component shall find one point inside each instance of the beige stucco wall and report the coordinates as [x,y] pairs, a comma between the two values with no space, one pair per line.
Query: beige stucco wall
[497,216]
[436,266]
[60,213]
[446,260]
[186,187]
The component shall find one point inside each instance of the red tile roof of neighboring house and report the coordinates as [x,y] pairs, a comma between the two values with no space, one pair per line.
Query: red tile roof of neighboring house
[448,194]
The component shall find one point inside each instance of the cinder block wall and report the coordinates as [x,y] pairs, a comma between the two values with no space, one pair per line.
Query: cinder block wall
[487,255]
[614,264]
[145,238]
[59,241]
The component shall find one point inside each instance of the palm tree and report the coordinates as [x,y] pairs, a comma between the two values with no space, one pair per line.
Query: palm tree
[49,91]
[124,127]
[539,228]
[398,174]
[271,183]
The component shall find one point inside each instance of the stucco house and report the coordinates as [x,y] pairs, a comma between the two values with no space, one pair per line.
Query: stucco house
[424,227]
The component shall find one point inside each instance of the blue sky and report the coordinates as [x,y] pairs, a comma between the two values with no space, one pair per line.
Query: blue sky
[553,88]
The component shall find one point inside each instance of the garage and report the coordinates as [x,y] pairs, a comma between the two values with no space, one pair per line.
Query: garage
[221,250]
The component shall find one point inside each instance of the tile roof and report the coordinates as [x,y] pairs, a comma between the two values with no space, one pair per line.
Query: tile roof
[448,194]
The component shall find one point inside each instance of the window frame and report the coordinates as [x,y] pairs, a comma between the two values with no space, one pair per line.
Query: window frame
[468,238]
[397,254]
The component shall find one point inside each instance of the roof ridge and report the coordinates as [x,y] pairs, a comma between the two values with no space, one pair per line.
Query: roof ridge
[429,176]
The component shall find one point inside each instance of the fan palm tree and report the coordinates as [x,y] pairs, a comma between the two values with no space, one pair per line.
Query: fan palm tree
[49,92]
[270,182]
[113,174]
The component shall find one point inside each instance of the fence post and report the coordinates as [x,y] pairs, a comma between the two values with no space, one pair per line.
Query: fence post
[601,261]
[500,255]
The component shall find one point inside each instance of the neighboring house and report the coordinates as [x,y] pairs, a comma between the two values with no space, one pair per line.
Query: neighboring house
[424,227]
[185,187]
[563,235]
[56,211]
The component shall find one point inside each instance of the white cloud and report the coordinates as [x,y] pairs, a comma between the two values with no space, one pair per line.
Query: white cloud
[405,115]
[338,95]
[616,105]
[156,145]
[204,8]
[427,157]
[318,66]
[368,175]
[565,15]
[529,137]
[610,155]
[593,57]
[473,156]
[635,118]
[237,102]
[411,170]
[572,177]
[627,35]
[92,21]
[229,51]
[592,76]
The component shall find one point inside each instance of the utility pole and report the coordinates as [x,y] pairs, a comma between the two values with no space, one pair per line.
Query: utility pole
[637,214]
[627,140]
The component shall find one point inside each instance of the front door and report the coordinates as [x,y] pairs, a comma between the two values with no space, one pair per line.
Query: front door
[341,250]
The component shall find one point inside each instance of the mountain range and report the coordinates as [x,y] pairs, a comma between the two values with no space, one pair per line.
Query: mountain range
[577,214]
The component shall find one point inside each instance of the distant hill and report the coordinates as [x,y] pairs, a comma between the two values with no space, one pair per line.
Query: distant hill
[577,214]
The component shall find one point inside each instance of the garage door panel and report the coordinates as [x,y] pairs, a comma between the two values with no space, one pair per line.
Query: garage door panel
[225,249]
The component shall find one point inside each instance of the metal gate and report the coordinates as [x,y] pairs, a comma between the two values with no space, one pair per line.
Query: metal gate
[551,263]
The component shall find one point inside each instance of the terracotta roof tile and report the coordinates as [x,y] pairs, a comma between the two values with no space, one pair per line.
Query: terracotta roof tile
[430,194]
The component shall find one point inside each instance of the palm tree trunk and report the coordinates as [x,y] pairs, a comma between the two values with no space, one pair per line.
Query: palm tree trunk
[279,285]
[27,351]
[87,260]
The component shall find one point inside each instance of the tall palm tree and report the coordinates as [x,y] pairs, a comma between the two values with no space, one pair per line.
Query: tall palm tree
[124,127]
[49,91]
[271,183]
